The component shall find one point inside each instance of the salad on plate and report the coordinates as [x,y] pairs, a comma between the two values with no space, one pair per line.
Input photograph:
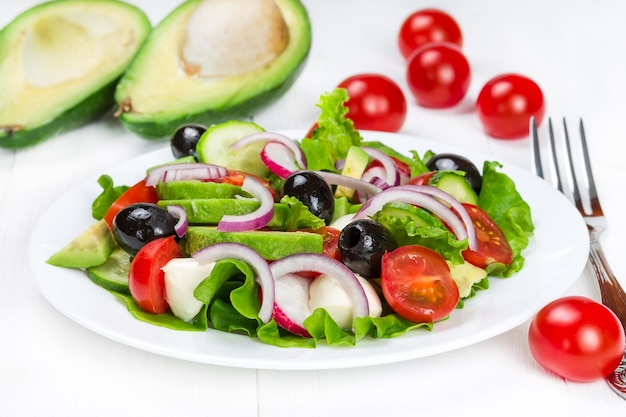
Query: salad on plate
[296,241]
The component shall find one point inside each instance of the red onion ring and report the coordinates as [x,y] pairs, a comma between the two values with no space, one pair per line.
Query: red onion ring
[363,188]
[256,219]
[188,171]
[453,202]
[264,278]
[417,198]
[391,172]
[323,264]
[178,212]
[274,137]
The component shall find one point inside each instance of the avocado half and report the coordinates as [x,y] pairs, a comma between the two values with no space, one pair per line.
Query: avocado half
[59,64]
[210,61]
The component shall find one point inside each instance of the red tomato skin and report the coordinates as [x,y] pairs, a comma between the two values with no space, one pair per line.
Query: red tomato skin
[417,284]
[577,338]
[506,103]
[375,102]
[492,244]
[421,179]
[146,280]
[425,26]
[138,193]
[438,75]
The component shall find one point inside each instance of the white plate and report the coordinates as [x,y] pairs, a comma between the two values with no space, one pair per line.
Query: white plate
[555,258]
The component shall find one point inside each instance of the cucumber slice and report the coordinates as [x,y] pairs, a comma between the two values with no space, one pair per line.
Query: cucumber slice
[113,274]
[213,147]
[455,184]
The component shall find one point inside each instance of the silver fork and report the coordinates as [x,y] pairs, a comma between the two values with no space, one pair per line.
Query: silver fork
[613,295]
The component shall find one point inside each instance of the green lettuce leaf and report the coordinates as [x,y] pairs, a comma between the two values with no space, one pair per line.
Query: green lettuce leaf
[107,197]
[300,217]
[501,200]
[334,134]
[168,320]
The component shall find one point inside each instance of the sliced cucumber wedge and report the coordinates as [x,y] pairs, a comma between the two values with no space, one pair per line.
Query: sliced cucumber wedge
[113,274]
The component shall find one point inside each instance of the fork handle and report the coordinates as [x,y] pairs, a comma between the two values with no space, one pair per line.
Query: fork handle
[612,293]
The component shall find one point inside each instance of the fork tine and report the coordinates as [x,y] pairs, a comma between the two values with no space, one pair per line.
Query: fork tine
[570,161]
[537,166]
[593,194]
[555,163]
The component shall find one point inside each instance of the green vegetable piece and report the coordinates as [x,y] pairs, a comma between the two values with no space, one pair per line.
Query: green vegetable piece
[214,147]
[354,167]
[91,248]
[455,184]
[59,64]
[271,245]
[199,64]
[113,274]
[183,190]
[466,275]
[210,211]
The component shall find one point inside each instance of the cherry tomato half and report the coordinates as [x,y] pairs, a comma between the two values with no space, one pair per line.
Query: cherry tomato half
[138,193]
[425,26]
[438,75]
[492,244]
[577,338]
[146,279]
[417,284]
[375,102]
[506,103]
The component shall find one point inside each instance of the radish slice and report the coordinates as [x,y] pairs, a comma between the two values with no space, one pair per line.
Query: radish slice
[322,264]
[182,224]
[391,172]
[277,138]
[279,159]
[291,303]
[454,203]
[258,218]
[417,198]
[190,171]
[264,278]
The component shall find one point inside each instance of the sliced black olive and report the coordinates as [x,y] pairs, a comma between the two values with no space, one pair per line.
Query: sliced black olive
[313,191]
[137,224]
[362,244]
[185,139]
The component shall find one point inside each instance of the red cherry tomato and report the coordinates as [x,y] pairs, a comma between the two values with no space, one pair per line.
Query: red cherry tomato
[138,193]
[438,75]
[417,284]
[422,179]
[375,102]
[577,338]
[506,103]
[492,244]
[425,26]
[146,279]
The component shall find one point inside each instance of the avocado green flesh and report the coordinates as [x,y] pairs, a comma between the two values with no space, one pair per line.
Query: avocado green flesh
[91,248]
[155,96]
[269,244]
[60,63]
[210,211]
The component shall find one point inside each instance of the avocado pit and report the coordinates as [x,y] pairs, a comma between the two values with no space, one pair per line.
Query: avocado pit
[227,38]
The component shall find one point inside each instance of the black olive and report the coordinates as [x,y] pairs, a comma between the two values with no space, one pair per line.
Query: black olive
[185,139]
[453,162]
[313,191]
[362,244]
[139,223]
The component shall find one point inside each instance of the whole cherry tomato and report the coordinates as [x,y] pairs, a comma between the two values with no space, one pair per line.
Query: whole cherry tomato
[438,75]
[428,25]
[577,338]
[375,102]
[507,102]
